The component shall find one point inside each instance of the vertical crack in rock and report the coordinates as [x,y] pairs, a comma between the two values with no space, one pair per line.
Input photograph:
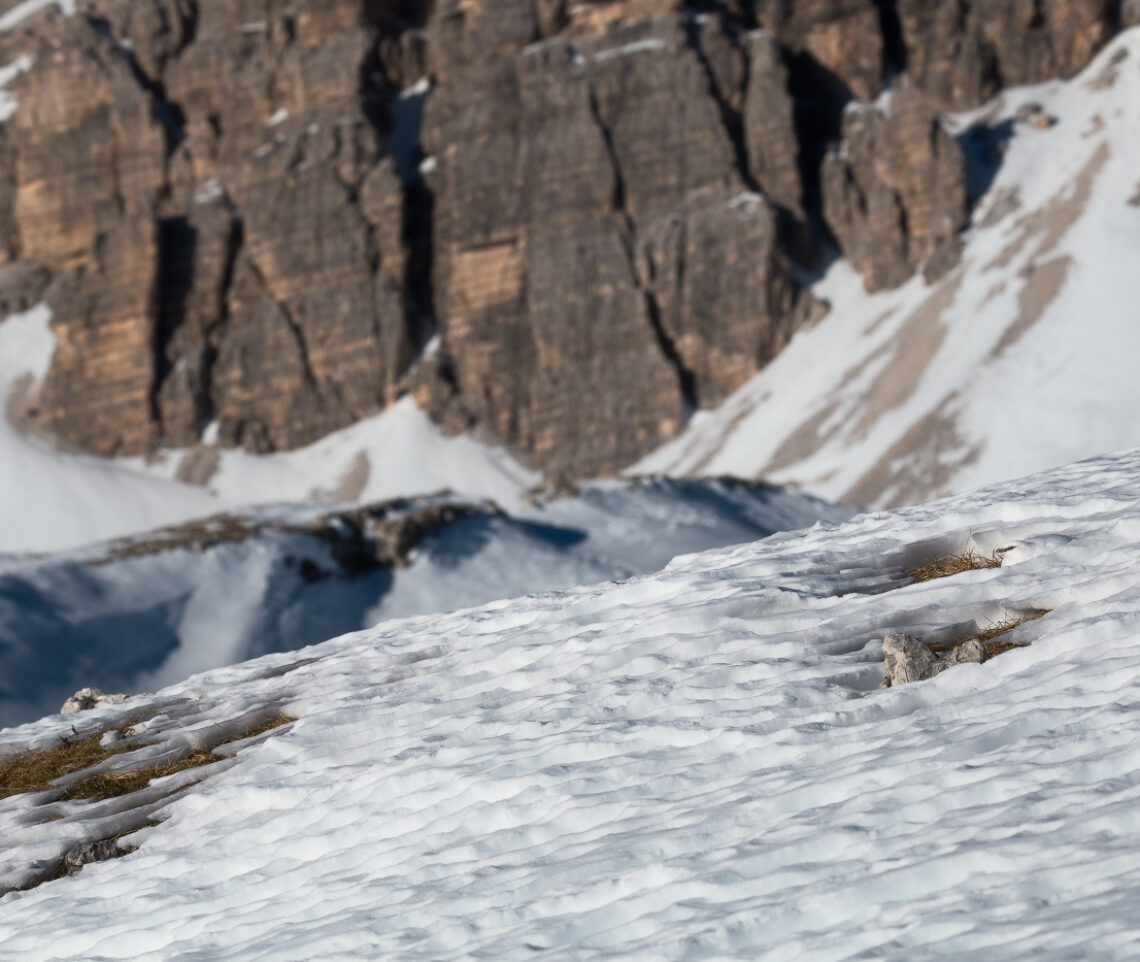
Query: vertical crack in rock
[168,113]
[396,117]
[730,117]
[685,377]
[175,237]
[894,47]
[295,330]
[173,283]
[235,241]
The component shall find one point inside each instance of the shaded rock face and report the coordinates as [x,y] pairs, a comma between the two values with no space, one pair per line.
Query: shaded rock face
[894,190]
[192,177]
[961,53]
[250,214]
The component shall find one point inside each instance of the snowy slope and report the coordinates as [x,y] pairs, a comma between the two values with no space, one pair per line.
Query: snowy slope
[695,764]
[151,610]
[1022,358]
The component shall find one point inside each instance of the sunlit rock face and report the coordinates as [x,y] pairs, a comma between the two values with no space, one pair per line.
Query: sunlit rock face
[258,214]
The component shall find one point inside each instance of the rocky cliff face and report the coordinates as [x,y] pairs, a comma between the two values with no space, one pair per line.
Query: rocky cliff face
[259,213]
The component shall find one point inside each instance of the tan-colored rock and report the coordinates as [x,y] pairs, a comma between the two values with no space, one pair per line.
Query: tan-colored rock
[894,190]
[769,125]
[843,37]
[962,53]
[598,257]
[228,201]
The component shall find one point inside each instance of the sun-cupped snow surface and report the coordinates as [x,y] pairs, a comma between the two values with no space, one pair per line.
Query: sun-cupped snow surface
[1019,359]
[694,764]
[52,499]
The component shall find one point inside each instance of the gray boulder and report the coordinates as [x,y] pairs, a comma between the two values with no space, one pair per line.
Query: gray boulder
[907,659]
[88,698]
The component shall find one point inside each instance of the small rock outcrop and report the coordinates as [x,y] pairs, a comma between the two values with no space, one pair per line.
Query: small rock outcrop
[87,852]
[87,698]
[907,659]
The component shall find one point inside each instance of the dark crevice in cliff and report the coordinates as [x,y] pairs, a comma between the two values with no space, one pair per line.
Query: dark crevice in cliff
[818,98]
[894,46]
[393,16]
[177,241]
[168,113]
[235,241]
[730,116]
[1116,16]
[396,117]
[417,231]
[686,380]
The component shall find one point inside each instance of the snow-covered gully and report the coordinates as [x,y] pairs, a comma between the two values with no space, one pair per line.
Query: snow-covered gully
[693,764]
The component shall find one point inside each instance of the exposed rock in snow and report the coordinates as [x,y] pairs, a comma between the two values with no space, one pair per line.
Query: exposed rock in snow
[908,659]
[87,852]
[87,698]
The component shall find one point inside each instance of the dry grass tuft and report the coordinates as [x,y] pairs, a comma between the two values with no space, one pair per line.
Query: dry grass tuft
[954,564]
[115,784]
[991,637]
[35,771]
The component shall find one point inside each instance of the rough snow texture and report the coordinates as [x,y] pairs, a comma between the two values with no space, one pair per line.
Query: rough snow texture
[1020,358]
[691,765]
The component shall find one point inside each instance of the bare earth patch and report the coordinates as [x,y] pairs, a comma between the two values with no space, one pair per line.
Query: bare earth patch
[1053,221]
[1043,282]
[920,464]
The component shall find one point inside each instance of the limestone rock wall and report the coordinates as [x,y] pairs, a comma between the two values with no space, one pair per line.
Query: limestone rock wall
[894,189]
[258,213]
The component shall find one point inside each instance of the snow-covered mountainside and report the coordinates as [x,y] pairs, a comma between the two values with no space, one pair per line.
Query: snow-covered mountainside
[150,610]
[694,764]
[1019,359]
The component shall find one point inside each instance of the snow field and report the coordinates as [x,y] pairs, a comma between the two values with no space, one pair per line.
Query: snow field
[693,764]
